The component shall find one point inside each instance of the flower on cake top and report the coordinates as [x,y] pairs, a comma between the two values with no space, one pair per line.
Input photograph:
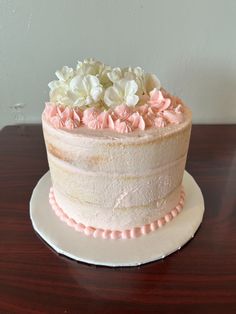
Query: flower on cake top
[122,91]
[145,81]
[85,90]
[65,74]
[96,68]
[98,96]
[60,88]
[93,83]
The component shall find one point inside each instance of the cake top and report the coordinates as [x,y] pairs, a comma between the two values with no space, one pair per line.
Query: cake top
[97,96]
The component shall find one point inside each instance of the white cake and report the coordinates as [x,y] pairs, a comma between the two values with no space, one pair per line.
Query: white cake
[115,179]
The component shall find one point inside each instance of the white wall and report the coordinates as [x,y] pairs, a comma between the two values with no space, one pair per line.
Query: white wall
[190,45]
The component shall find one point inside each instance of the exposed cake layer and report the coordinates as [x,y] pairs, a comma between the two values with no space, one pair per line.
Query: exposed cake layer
[115,234]
[117,181]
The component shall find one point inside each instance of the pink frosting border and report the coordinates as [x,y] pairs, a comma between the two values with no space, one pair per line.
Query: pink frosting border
[116,234]
[157,110]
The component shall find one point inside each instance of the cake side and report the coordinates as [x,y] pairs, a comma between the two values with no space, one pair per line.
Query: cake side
[115,181]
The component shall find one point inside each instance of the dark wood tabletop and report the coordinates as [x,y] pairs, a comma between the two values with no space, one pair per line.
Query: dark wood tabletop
[200,278]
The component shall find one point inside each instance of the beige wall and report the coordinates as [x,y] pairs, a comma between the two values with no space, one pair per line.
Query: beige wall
[189,44]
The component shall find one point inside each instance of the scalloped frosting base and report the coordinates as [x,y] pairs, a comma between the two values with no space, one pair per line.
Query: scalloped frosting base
[116,234]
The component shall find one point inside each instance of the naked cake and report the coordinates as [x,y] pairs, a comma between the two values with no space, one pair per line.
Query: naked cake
[116,144]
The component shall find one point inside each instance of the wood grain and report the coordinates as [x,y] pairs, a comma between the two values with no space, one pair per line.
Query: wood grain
[200,278]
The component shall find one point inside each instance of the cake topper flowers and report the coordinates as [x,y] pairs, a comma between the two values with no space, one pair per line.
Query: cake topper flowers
[93,83]
[85,90]
[121,92]
[98,96]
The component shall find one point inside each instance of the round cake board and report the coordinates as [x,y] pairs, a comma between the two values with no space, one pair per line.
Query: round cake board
[132,252]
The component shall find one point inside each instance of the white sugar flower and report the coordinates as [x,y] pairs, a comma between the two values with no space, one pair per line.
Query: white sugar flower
[136,74]
[93,82]
[85,90]
[56,84]
[133,73]
[129,73]
[122,92]
[65,74]
[115,74]
[146,82]
[102,74]
[96,68]
[60,88]
[89,66]
[58,93]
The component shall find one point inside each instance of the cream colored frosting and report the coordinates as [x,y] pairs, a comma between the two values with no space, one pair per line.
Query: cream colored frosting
[117,181]
[116,234]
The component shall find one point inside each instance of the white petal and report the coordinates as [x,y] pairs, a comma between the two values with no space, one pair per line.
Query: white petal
[96,93]
[57,94]
[76,83]
[131,100]
[115,74]
[79,64]
[120,86]
[138,71]
[86,68]
[129,76]
[103,75]
[80,101]
[66,101]
[112,97]
[72,96]
[59,75]
[92,81]
[131,88]
[54,84]
[88,100]
[65,73]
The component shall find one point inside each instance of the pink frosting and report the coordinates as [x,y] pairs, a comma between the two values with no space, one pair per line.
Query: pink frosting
[116,234]
[159,109]
[63,117]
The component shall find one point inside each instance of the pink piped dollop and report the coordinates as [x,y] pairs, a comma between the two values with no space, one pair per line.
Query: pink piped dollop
[137,121]
[159,110]
[122,112]
[63,117]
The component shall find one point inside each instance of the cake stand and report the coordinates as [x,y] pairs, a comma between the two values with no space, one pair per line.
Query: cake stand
[132,252]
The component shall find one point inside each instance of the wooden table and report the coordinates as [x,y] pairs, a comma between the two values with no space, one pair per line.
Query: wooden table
[200,278]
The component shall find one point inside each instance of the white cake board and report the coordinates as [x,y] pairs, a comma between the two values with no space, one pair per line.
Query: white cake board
[132,252]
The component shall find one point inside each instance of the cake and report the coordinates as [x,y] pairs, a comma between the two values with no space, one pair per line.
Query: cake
[116,144]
